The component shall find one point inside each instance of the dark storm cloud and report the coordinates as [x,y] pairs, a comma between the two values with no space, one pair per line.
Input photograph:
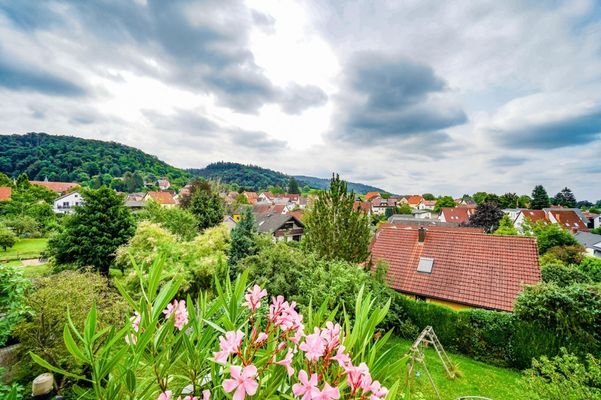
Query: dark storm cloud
[194,124]
[569,131]
[387,97]
[199,45]
[508,161]
[33,78]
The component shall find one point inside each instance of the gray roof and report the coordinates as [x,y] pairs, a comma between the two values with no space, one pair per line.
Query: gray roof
[269,223]
[589,240]
[135,204]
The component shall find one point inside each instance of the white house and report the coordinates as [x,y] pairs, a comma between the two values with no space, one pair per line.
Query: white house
[66,203]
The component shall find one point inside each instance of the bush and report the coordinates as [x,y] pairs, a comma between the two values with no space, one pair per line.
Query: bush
[564,377]
[55,297]
[573,254]
[13,292]
[176,220]
[7,238]
[591,266]
[563,275]
[23,226]
[552,235]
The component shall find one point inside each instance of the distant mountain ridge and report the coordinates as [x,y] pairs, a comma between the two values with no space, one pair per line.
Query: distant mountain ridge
[324,183]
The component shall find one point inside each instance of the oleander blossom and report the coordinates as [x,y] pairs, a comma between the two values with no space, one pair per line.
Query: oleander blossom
[253,297]
[307,388]
[313,346]
[327,393]
[243,381]
[181,313]
[135,323]
[166,395]
[284,315]
[230,344]
[287,362]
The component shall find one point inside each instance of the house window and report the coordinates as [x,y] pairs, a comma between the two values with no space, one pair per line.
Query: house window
[296,238]
[425,265]
[65,204]
[420,298]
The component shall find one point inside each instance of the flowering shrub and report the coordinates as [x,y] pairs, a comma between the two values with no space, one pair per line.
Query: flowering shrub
[234,346]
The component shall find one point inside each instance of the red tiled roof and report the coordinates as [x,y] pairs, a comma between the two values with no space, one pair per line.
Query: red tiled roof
[568,219]
[162,197]
[474,269]
[365,206]
[458,215]
[298,214]
[5,193]
[535,216]
[471,229]
[371,195]
[414,199]
[58,187]
[251,196]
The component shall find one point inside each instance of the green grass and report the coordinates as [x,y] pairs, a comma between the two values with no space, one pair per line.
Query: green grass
[24,248]
[35,271]
[476,378]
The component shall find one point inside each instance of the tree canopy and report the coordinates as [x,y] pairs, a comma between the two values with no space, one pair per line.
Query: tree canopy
[486,216]
[540,198]
[565,198]
[204,202]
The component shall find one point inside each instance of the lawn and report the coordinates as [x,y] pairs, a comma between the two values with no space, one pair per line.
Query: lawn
[24,249]
[477,378]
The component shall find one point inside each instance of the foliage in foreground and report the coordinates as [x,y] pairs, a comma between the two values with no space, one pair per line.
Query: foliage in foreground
[230,345]
[13,308]
[564,377]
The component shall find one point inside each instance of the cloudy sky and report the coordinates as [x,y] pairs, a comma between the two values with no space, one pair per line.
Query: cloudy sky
[412,96]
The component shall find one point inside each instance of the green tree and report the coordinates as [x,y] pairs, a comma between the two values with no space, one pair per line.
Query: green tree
[591,266]
[5,180]
[22,226]
[551,235]
[444,201]
[133,181]
[565,198]
[92,235]
[563,275]
[23,181]
[177,220]
[293,186]
[204,202]
[7,238]
[486,216]
[14,288]
[480,197]
[524,201]
[506,227]
[333,228]
[243,241]
[509,200]
[540,198]
[404,209]
[428,196]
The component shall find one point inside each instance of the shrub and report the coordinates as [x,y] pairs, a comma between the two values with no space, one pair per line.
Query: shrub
[551,235]
[7,238]
[591,266]
[564,377]
[563,275]
[573,254]
[55,297]
[13,291]
[178,221]
[212,349]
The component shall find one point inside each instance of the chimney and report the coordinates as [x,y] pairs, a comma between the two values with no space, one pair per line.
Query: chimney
[421,234]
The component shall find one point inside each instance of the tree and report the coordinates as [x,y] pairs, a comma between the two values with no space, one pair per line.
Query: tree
[404,209]
[551,235]
[480,197]
[333,228]
[204,203]
[487,216]
[524,201]
[92,235]
[293,186]
[509,200]
[23,181]
[177,220]
[133,181]
[540,198]
[506,227]
[243,240]
[7,238]
[563,275]
[428,196]
[565,198]
[5,180]
[444,201]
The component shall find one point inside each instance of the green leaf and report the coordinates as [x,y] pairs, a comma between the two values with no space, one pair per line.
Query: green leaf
[71,345]
[45,364]
[90,326]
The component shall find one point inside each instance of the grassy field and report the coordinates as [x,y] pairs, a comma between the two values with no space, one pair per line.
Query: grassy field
[25,248]
[477,378]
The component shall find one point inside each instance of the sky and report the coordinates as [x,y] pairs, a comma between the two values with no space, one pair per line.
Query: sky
[412,96]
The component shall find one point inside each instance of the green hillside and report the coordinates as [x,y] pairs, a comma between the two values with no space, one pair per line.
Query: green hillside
[322,183]
[68,158]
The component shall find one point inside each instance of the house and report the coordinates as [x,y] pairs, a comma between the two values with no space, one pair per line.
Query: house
[591,242]
[533,216]
[135,205]
[421,214]
[379,205]
[271,209]
[512,213]
[369,196]
[456,267]
[139,196]
[229,222]
[265,197]
[591,219]
[5,193]
[66,203]
[456,215]
[58,187]
[428,204]
[282,227]
[569,218]
[298,214]
[415,201]
[164,184]
[165,199]
[251,197]
[364,206]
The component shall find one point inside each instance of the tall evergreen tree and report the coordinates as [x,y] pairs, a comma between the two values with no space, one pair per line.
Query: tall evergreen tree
[92,235]
[333,228]
[23,181]
[204,203]
[487,216]
[243,241]
[293,186]
[565,198]
[540,198]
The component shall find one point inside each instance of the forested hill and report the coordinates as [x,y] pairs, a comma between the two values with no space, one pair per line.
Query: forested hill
[257,178]
[68,158]
[322,183]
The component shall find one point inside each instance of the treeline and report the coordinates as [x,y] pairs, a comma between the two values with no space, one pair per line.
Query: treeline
[249,177]
[89,162]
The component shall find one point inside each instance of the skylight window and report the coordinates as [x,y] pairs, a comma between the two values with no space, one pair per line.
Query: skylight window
[425,265]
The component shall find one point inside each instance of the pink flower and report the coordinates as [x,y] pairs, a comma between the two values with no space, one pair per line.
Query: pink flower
[188,398]
[331,335]
[307,387]
[356,376]
[283,315]
[181,313]
[135,321]
[206,394]
[313,346]
[230,344]
[378,392]
[342,358]
[243,381]
[253,297]
[327,393]
[165,395]
[287,362]
[261,338]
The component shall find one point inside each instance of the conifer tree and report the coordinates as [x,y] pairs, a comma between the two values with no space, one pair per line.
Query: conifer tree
[243,240]
[293,186]
[334,230]
[540,198]
[205,204]
[566,198]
